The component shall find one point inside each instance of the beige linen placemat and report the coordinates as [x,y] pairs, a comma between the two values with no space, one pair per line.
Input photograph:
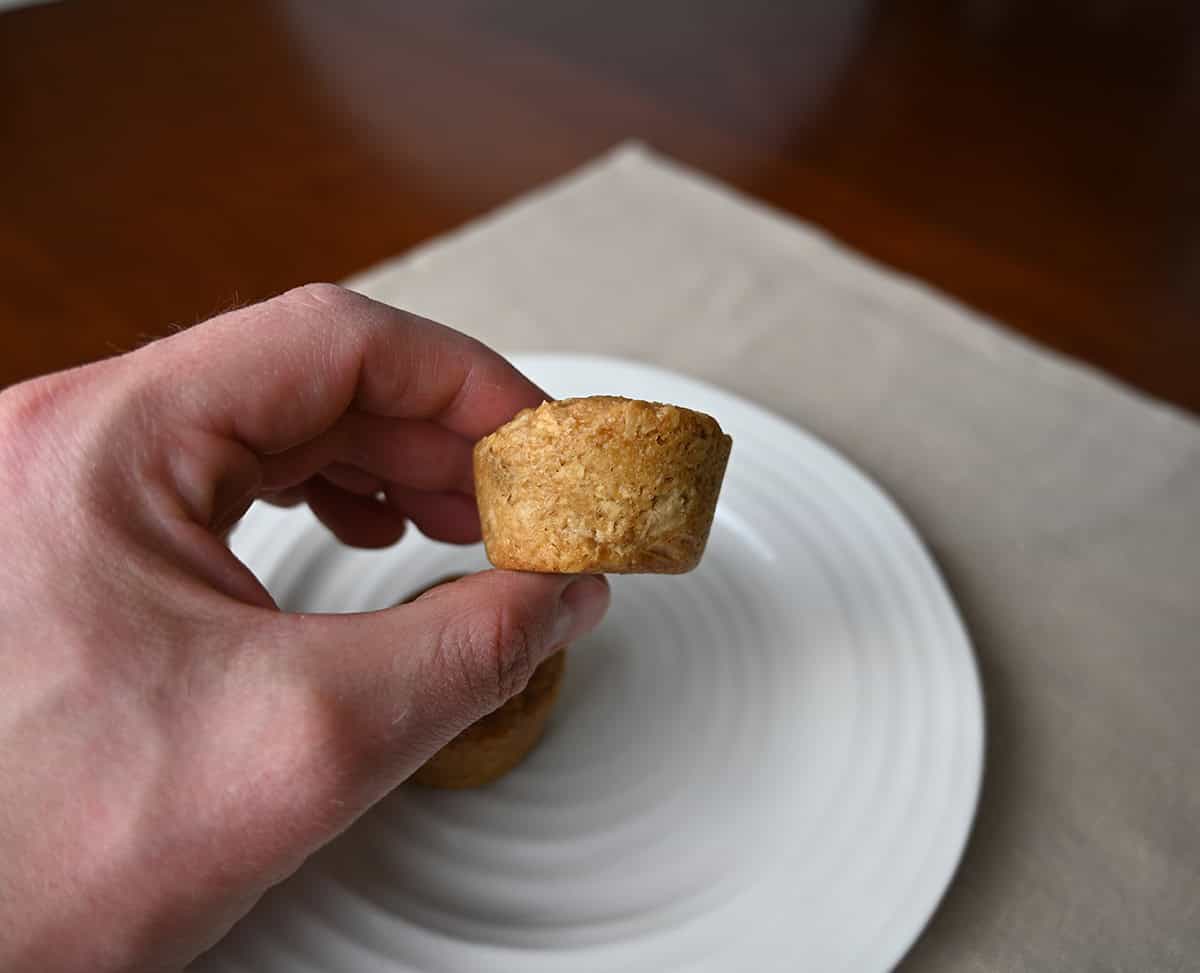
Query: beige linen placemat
[1063,508]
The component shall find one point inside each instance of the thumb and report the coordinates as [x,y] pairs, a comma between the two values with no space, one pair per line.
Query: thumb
[409,679]
[484,635]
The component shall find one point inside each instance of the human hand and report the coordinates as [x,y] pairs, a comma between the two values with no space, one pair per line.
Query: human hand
[171,744]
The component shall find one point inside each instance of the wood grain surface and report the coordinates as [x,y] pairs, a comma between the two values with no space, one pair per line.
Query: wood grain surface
[160,162]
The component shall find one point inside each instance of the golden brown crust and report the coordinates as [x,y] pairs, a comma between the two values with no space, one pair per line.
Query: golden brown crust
[600,485]
[491,747]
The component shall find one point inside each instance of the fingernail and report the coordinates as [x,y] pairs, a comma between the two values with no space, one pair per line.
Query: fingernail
[583,603]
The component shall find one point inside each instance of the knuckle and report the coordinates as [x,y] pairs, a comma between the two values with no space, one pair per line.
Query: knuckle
[499,657]
[341,317]
[321,739]
[28,404]
[300,770]
[65,438]
[29,422]
[322,296]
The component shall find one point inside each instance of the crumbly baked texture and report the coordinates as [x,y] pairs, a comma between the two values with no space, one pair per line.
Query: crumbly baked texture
[600,485]
[491,747]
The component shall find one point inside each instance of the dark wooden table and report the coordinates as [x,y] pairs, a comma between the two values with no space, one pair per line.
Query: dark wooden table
[162,161]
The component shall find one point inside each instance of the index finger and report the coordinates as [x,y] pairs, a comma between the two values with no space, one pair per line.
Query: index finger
[277,374]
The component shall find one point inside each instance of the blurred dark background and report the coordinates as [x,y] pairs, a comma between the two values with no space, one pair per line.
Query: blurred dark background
[160,162]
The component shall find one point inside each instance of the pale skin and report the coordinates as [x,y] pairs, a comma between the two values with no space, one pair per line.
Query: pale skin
[171,744]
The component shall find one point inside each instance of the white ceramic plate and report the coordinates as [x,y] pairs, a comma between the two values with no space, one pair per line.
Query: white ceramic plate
[771,763]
